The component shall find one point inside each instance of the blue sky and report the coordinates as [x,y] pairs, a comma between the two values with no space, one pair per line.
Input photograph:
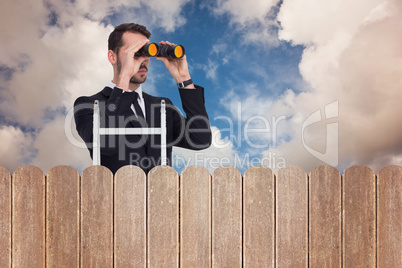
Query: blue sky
[292,82]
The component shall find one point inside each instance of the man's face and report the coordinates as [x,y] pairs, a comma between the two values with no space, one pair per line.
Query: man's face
[128,39]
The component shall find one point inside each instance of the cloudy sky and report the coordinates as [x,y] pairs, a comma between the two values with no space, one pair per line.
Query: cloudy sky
[304,82]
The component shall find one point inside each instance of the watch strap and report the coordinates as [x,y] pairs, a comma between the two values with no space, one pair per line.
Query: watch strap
[185,83]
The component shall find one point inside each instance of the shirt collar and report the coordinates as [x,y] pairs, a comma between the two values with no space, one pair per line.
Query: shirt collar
[138,90]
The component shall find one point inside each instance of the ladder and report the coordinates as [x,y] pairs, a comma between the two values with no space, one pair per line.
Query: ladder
[97,131]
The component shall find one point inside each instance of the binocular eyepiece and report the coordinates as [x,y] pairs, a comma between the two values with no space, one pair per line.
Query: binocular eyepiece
[155,50]
[148,50]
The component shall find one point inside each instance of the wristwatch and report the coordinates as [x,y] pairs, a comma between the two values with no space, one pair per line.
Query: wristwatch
[185,83]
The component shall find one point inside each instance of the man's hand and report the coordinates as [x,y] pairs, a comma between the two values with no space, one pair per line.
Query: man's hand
[178,68]
[129,64]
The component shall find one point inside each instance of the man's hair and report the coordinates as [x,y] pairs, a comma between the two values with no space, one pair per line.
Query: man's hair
[115,41]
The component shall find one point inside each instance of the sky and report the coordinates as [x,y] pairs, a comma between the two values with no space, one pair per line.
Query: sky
[291,82]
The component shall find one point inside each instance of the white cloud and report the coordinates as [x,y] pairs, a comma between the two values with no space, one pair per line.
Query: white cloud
[154,13]
[243,12]
[53,148]
[243,108]
[352,55]
[321,22]
[209,68]
[16,147]
[67,64]
[46,60]
[253,20]
[220,50]
[221,152]
[166,14]
[81,51]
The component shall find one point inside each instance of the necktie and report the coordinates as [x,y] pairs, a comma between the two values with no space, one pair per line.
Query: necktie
[138,110]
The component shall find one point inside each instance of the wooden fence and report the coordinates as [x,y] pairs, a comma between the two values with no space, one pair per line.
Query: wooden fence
[197,220]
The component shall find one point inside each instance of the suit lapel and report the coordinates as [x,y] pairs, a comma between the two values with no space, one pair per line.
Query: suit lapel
[128,114]
[106,91]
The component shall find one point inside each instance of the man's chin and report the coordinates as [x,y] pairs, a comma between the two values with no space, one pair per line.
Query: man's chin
[136,80]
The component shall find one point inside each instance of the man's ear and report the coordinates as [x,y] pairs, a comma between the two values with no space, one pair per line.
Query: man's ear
[112,57]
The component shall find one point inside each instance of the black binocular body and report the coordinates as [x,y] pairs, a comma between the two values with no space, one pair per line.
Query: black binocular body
[156,50]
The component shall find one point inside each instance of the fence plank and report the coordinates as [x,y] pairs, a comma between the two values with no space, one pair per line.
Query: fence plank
[325,217]
[259,217]
[359,217]
[130,217]
[163,217]
[28,217]
[5,218]
[62,217]
[291,217]
[215,214]
[97,217]
[226,217]
[389,207]
[195,217]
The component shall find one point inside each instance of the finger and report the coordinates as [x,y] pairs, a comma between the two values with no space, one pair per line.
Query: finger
[137,45]
[164,60]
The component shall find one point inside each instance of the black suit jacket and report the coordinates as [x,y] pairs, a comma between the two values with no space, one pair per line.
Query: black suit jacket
[191,132]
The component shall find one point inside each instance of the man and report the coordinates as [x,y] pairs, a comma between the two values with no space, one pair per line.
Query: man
[124,104]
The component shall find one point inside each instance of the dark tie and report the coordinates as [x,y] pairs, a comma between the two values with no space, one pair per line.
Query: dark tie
[137,107]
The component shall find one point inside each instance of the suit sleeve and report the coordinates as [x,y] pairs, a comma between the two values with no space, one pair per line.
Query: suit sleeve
[115,106]
[194,132]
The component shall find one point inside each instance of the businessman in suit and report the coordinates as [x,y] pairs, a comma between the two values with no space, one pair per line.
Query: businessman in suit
[124,104]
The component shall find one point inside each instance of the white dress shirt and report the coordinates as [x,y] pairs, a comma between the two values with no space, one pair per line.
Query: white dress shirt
[140,99]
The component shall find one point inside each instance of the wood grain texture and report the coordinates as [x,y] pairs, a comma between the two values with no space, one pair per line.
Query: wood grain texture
[130,217]
[325,217]
[259,217]
[226,217]
[5,218]
[62,217]
[389,207]
[291,217]
[224,221]
[28,217]
[359,217]
[163,217]
[195,217]
[96,217]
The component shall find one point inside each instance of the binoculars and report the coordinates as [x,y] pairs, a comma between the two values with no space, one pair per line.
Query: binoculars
[156,50]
